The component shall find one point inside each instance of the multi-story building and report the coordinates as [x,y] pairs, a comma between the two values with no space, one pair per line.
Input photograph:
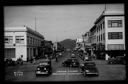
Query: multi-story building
[86,41]
[108,32]
[86,37]
[92,38]
[21,41]
[79,44]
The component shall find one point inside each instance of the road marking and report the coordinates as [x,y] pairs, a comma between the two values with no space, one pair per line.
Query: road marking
[61,71]
[66,73]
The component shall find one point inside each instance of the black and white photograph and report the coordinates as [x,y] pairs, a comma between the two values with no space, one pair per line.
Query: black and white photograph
[74,42]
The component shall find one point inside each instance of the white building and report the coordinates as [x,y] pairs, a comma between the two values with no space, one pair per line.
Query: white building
[21,41]
[79,44]
[110,30]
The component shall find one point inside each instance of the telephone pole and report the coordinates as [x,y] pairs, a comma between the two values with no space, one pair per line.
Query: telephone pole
[35,23]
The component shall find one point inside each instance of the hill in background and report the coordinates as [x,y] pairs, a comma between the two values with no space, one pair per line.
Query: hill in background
[68,43]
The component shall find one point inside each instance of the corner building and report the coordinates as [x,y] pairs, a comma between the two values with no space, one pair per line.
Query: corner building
[109,32]
[21,41]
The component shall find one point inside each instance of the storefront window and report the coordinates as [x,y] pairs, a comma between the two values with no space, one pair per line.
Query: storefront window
[19,39]
[8,39]
[115,35]
[114,23]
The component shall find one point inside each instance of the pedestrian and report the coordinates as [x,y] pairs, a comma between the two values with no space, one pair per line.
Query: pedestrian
[34,61]
[21,59]
[56,58]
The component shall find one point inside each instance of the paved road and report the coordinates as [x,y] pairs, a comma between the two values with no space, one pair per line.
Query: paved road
[60,73]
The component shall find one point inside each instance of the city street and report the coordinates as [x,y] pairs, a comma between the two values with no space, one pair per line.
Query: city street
[26,72]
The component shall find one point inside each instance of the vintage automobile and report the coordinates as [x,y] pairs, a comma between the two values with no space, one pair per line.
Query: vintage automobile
[73,55]
[117,60]
[89,69]
[9,62]
[71,62]
[44,68]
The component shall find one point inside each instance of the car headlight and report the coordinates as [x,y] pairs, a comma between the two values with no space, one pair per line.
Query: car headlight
[81,64]
[44,68]
[38,68]
[87,70]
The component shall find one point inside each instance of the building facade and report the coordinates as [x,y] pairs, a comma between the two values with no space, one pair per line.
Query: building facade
[21,41]
[108,33]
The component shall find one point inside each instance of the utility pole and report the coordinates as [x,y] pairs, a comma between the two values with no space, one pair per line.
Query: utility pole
[105,7]
[35,23]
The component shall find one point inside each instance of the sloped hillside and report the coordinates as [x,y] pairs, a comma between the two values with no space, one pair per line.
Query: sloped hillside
[68,43]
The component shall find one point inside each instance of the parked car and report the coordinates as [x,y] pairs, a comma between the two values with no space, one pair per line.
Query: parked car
[71,62]
[117,60]
[19,61]
[73,55]
[89,68]
[44,68]
[9,62]
[48,61]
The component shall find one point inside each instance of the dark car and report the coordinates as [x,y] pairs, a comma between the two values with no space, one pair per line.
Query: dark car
[9,62]
[44,68]
[48,61]
[89,68]
[72,62]
[73,55]
[117,60]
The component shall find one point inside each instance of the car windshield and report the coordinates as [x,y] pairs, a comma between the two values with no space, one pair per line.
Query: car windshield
[74,60]
[43,63]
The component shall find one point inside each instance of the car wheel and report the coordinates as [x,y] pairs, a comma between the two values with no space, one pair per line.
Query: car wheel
[50,72]
[110,62]
[37,75]
[70,65]
[84,73]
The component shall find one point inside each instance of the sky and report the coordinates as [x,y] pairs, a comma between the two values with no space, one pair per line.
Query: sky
[57,22]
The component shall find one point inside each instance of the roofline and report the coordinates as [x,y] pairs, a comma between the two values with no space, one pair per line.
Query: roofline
[103,15]
[94,27]
[23,29]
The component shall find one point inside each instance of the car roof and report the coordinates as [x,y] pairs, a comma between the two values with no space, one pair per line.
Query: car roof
[42,66]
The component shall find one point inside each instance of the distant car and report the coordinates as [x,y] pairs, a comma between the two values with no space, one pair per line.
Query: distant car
[89,68]
[44,68]
[71,62]
[73,55]
[117,60]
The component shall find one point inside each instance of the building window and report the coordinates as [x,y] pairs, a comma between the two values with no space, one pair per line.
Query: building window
[114,23]
[8,39]
[19,39]
[115,46]
[99,38]
[103,36]
[115,35]
[28,39]
[99,28]
[103,25]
